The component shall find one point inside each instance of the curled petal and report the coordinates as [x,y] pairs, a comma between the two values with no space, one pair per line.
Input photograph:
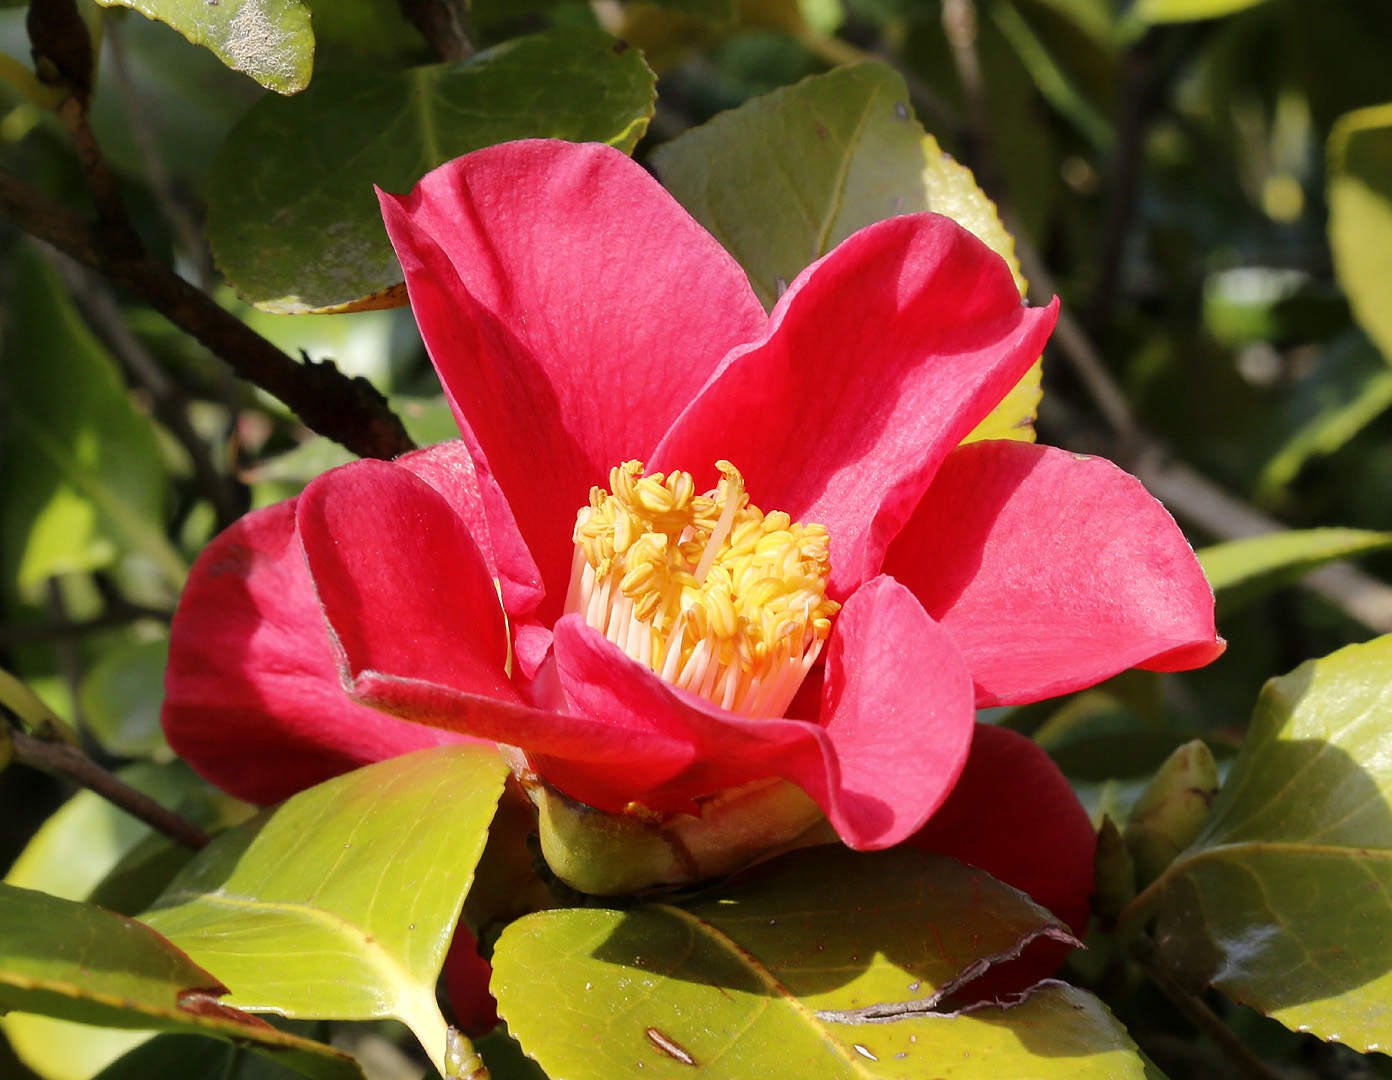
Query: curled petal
[571,308]
[895,726]
[253,699]
[449,469]
[879,359]
[403,587]
[1052,572]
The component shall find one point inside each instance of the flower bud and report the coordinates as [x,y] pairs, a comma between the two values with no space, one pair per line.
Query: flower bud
[1172,810]
[609,854]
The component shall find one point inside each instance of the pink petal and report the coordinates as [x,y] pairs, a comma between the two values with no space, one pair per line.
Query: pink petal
[253,699]
[1052,572]
[897,705]
[571,308]
[449,469]
[896,723]
[402,584]
[1014,815]
[879,359]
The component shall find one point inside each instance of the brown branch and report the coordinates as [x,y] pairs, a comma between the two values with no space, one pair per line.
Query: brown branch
[65,760]
[443,25]
[349,411]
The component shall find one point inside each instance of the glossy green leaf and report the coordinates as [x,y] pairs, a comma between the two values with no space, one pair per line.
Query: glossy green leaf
[80,962]
[342,902]
[82,479]
[270,40]
[1163,11]
[786,177]
[121,698]
[1360,217]
[1284,902]
[792,962]
[1241,570]
[292,217]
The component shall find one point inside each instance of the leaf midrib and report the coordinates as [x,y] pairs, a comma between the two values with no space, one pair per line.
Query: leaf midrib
[770,981]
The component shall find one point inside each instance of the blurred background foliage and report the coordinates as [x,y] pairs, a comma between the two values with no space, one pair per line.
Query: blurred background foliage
[1206,183]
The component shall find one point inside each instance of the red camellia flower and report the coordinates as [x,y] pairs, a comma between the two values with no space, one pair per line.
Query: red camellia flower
[684,547]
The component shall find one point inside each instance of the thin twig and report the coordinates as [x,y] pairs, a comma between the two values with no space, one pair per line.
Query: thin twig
[68,761]
[349,411]
[1201,1016]
[1072,340]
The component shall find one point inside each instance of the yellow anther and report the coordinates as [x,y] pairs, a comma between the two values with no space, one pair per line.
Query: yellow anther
[710,592]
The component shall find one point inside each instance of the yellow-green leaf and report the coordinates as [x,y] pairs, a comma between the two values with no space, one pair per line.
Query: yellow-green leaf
[1360,217]
[341,904]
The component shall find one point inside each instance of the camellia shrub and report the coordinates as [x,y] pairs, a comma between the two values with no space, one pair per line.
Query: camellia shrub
[695,664]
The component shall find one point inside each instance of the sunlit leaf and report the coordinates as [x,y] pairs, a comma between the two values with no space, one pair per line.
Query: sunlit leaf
[1284,902]
[82,479]
[341,903]
[786,964]
[1360,217]
[270,40]
[291,213]
[1241,570]
[1162,11]
[786,177]
[80,962]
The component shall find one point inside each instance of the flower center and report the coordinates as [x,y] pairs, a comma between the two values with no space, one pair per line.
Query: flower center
[710,592]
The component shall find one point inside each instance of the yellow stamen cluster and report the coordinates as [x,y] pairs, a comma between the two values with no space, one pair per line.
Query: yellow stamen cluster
[713,594]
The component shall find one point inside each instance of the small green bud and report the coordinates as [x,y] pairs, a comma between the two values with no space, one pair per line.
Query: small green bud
[610,854]
[1172,810]
[1115,873]
[462,1061]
